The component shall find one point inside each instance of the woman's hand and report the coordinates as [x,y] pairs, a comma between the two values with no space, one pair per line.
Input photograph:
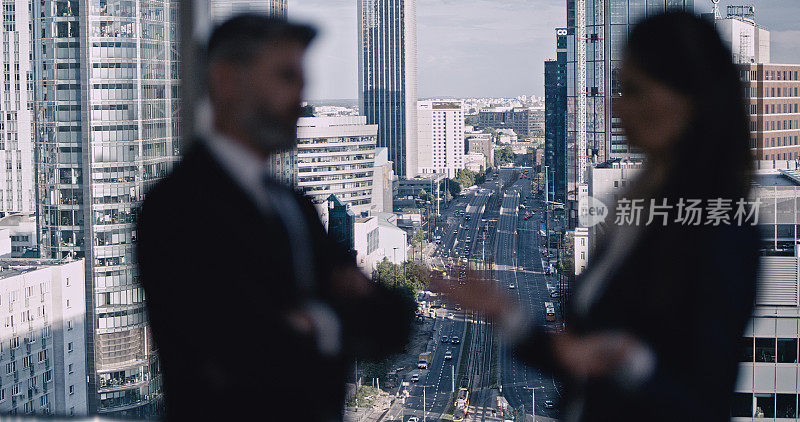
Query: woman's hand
[593,355]
[474,293]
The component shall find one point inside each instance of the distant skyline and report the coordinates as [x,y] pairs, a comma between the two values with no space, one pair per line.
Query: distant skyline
[482,48]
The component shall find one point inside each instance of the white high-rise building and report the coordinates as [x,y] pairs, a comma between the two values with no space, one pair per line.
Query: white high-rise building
[440,137]
[43,355]
[336,156]
[16,142]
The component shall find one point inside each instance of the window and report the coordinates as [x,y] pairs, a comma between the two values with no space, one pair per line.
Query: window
[71,390]
[69,325]
[69,347]
[765,350]
[70,368]
[786,406]
[765,405]
[787,350]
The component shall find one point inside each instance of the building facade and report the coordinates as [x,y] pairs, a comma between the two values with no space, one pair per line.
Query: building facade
[481,143]
[336,156]
[440,139]
[773,95]
[555,114]
[43,351]
[748,41]
[387,67]
[22,234]
[16,95]
[524,121]
[106,129]
[769,373]
[597,31]
[220,10]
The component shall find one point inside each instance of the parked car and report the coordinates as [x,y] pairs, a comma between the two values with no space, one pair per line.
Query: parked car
[414,377]
[445,339]
[512,286]
[455,340]
[448,355]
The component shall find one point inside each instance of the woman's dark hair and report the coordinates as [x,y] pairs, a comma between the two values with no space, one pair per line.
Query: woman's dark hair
[686,53]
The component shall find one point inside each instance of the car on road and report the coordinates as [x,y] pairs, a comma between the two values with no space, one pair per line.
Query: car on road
[451,315]
[520,269]
[455,340]
[555,293]
[512,286]
[548,404]
[448,355]
[414,377]
[445,339]
[413,419]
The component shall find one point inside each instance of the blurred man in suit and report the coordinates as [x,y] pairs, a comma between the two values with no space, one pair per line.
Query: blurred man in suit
[254,309]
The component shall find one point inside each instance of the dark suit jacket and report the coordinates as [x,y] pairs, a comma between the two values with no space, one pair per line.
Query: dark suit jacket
[688,293]
[218,280]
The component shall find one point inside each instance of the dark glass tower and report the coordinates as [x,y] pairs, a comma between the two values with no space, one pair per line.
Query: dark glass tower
[555,111]
[597,31]
[387,65]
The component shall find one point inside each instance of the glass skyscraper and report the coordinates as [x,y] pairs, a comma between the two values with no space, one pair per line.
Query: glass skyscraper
[387,66]
[107,129]
[597,31]
[555,111]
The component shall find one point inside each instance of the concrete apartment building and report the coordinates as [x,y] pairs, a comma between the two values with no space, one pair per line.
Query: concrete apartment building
[42,338]
[16,114]
[440,137]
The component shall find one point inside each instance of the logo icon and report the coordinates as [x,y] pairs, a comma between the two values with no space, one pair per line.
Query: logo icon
[591,211]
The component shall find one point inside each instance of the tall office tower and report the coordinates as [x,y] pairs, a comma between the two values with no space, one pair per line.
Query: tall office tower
[555,112]
[16,145]
[387,67]
[597,31]
[440,139]
[221,9]
[106,130]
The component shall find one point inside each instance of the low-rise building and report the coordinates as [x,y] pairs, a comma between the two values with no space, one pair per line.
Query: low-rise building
[475,161]
[42,330]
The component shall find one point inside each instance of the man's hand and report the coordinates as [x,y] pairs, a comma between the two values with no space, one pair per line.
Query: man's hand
[348,282]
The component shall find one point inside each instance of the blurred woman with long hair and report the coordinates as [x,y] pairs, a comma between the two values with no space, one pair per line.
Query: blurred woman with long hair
[655,320]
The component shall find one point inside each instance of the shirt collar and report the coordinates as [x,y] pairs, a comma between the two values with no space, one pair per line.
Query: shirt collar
[245,167]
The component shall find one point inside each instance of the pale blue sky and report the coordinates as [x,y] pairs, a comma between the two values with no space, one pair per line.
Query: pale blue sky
[487,48]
